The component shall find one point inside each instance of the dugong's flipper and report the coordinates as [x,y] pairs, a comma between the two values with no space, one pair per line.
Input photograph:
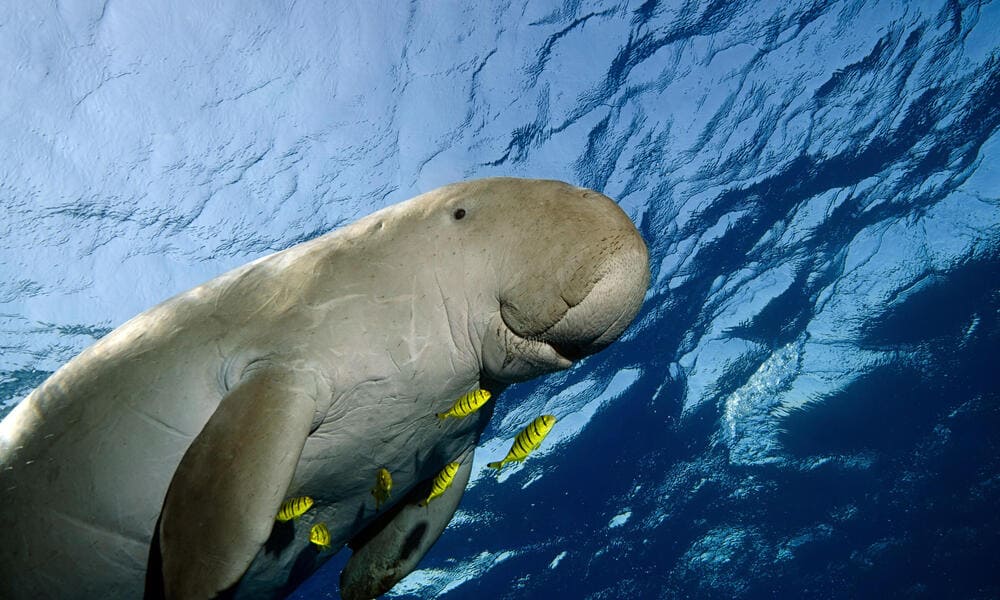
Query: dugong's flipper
[222,500]
[389,550]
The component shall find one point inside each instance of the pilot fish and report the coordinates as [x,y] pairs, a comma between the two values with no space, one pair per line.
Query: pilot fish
[527,441]
[442,482]
[383,487]
[466,405]
[320,536]
[293,508]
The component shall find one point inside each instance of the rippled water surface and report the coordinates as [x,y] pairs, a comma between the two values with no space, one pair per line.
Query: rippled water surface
[807,405]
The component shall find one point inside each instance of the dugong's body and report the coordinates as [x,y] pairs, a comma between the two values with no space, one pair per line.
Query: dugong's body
[154,463]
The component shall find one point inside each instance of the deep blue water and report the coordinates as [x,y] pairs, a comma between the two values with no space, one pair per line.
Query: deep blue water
[808,404]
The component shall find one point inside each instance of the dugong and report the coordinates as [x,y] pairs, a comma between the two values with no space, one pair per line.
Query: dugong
[153,464]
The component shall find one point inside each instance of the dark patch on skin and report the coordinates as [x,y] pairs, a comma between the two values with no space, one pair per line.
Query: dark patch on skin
[282,535]
[412,541]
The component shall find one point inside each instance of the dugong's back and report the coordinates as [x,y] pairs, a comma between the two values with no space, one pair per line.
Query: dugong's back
[74,524]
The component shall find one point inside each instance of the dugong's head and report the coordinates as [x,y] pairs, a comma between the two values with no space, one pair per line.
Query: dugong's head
[564,270]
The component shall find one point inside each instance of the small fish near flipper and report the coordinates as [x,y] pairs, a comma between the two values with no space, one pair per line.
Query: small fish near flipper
[389,549]
[319,535]
[383,487]
[442,482]
[466,405]
[293,508]
[527,441]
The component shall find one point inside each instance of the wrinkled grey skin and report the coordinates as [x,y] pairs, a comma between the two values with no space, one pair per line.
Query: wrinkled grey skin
[172,441]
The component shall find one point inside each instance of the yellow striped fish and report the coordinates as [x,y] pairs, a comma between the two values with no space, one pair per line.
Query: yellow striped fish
[527,441]
[383,487]
[293,508]
[466,405]
[320,536]
[442,482]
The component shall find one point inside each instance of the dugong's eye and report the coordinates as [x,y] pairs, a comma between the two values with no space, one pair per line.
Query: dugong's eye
[459,213]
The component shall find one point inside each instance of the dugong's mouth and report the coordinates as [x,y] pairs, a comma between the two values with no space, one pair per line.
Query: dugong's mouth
[509,357]
[553,348]
[571,350]
[583,329]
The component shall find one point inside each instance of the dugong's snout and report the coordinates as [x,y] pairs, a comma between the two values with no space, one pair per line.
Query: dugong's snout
[570,289]
[608,308]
